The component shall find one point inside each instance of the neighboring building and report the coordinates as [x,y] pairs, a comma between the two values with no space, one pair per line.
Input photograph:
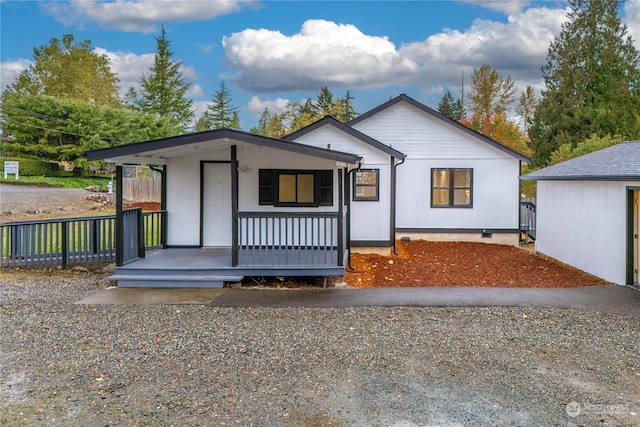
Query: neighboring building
[587,212]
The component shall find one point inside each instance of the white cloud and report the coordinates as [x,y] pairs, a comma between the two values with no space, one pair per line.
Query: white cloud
[632,19]
[508,7]
[256,105]
[9,70]
[141,15]
[195,91]
[127,66]
[325,53]
[334,54]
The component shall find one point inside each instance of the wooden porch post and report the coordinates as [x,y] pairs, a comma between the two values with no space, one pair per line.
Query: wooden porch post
[340,219]
[347,198]
[119,218]
[234,206]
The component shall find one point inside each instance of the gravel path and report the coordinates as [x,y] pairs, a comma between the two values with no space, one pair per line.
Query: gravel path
[23,203]
[68,364]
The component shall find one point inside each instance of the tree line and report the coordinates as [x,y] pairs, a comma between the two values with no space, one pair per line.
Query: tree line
[67,101]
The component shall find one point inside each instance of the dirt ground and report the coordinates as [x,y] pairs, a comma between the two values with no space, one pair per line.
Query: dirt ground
[424,263]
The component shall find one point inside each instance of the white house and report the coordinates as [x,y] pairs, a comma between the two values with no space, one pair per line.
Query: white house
[587,212]
[299,205]
[443,182]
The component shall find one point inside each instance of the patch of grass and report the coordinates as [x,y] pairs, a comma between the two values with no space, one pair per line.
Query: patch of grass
[60,182]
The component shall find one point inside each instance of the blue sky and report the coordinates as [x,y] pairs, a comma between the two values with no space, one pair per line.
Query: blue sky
[273,52]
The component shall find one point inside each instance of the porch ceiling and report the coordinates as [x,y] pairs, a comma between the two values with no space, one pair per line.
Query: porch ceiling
[160,150]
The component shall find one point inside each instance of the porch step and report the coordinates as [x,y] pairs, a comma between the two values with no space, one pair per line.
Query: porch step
[171,281]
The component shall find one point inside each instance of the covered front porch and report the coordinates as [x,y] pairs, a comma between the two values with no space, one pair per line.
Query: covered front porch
[234,207]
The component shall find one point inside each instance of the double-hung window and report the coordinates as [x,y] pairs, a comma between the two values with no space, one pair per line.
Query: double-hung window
[296,187]
[366,185]
[451,188]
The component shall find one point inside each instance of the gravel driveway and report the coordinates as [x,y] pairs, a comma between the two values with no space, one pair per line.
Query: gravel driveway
[68,364]
[21,203]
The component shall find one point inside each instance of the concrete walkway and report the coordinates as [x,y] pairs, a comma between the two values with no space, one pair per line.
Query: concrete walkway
[617,300]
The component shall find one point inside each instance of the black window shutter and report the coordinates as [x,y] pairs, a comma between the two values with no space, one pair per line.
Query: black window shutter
[267,187]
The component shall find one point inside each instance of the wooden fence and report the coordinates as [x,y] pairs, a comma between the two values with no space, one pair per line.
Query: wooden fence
[142,189]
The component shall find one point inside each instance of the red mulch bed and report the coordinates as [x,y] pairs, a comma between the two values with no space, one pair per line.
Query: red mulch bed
[424,263]
[147,206]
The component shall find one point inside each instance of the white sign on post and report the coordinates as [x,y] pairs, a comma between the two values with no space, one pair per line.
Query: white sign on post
[11,168]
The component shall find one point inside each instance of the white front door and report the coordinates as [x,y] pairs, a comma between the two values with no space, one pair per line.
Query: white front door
[216,200]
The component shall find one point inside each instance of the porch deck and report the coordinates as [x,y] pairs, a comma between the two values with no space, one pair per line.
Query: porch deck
[211,267]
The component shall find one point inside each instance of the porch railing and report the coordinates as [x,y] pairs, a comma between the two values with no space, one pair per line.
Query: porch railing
[279,238]
[528,218]
[64,241]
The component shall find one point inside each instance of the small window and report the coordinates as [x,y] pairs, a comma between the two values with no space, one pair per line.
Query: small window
[295,188]
[451,188]
[366,185]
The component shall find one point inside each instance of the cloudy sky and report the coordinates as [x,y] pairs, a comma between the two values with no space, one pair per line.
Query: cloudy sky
[273,52]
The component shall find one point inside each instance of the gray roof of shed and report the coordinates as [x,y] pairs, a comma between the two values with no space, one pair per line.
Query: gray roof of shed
[620,162]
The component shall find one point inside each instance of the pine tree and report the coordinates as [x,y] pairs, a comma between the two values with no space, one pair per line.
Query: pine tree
[163,91]
[450,107]
[592,79]
[221,114]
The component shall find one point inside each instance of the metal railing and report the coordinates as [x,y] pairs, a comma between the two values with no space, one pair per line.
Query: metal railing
[279,238]
[528,219]
[65,241]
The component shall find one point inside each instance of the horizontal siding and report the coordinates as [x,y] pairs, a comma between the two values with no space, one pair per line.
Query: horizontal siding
[422,136]
[183,197]
[495,195]
[335,139]
[371,220]
[583,224]
[251,159]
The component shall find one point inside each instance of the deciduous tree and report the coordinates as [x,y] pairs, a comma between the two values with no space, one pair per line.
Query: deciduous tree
[69,70]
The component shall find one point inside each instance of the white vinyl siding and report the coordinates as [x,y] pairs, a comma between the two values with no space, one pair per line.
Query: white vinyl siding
[370,220]
[583,224]
[183,186]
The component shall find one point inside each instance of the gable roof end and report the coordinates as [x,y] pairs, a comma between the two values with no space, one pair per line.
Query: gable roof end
[439,116]
[620,162]
[330,121]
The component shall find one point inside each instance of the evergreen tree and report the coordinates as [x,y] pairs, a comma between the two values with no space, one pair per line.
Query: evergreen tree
[450,107]
[163,91]
[221,114]
[592,79]
[263,124]
[324,102]
[69,70]
[62,130]
[346,112]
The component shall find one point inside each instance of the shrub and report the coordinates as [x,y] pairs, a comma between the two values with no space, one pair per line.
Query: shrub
[32,167]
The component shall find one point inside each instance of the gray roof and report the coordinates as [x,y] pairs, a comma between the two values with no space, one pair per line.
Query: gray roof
[620,162]
[158,150]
